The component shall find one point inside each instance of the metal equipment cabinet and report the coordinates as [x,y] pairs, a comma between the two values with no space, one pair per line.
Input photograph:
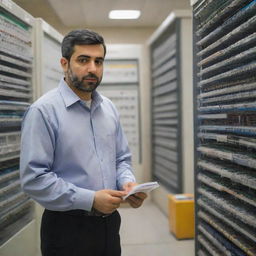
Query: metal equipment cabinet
[172,100]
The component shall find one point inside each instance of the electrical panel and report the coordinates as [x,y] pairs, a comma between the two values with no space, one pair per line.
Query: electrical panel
[120,84]
[16,65]
[170,93]
[48,54]
[225,117]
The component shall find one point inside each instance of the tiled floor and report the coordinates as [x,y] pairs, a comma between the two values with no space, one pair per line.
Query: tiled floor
[145,232]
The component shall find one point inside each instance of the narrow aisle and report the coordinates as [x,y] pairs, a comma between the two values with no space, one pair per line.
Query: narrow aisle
[145,232]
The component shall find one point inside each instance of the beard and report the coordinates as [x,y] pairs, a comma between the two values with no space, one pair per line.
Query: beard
[82,84]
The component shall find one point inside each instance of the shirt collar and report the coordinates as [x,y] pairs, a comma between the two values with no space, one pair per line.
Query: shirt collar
[70,97]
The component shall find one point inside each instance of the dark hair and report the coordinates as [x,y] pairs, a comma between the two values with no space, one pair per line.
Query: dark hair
[80,37]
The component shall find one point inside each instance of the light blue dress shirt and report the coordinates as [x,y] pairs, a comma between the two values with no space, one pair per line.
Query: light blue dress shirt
[69,151]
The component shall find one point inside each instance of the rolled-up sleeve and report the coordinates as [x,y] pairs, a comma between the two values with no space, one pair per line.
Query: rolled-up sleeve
[38,179]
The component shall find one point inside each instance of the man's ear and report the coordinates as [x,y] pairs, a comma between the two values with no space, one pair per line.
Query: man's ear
[64,64]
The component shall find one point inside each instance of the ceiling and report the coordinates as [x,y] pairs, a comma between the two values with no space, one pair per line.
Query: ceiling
[94,13]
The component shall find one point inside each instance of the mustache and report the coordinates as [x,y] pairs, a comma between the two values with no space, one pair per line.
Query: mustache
[90,76]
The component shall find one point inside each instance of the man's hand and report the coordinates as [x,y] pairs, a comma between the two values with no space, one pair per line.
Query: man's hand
[107,201]
[137,199]
[127,187]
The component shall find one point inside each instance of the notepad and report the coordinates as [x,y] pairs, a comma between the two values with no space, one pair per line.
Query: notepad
[144,187]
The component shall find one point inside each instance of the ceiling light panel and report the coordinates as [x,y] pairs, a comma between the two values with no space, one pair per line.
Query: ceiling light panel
[124,14]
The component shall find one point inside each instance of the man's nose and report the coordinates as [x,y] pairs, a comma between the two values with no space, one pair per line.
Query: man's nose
[92,67]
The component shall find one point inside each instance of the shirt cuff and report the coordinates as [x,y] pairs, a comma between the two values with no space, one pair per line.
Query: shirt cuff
[83,199]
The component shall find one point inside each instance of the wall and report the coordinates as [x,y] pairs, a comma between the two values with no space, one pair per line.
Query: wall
[120,35]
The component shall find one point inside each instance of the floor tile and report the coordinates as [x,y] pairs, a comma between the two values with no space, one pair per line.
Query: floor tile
[145,232]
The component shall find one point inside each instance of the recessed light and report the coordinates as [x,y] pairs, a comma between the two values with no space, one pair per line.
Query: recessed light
[124,14]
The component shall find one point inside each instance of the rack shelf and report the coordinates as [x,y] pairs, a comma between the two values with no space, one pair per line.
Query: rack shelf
[16,62]
[225,118]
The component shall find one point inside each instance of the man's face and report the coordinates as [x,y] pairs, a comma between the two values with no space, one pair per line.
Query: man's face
[85,68]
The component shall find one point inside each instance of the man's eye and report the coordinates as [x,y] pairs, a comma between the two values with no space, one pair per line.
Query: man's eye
[99,62]
[82,60]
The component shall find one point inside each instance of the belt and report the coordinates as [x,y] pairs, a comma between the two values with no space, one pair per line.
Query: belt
[83,213]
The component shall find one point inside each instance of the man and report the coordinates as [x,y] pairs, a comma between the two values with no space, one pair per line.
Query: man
[75,159]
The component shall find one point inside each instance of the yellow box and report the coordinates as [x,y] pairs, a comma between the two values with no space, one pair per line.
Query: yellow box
[181,215]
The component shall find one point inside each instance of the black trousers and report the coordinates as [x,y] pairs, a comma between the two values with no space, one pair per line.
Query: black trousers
[64,234]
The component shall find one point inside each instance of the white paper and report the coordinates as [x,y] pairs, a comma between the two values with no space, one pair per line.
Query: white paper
[144,187]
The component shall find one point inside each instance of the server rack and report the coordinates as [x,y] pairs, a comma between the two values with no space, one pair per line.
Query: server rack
[225,118]
[16,64]
[168,102]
